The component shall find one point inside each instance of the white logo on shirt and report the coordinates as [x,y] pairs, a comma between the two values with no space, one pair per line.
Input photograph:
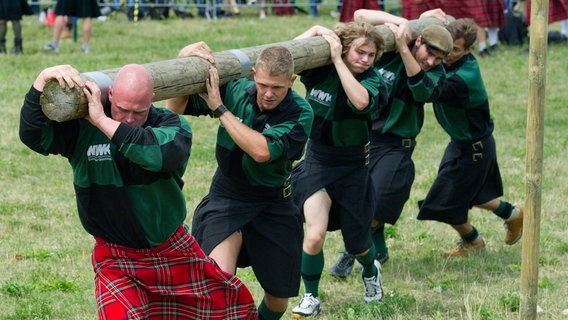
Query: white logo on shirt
[321,97]
[99,152]
[388,76]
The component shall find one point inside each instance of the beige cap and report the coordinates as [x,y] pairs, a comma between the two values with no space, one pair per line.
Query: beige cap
[438,37]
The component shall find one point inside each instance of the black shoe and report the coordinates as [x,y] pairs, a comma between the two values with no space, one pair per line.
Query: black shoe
[494,48]
[343,266]
[483,53]
[382,257]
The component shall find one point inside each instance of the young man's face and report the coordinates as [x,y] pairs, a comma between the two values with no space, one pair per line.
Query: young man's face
[271,89]
[457,52]
[359,58]
[426,56]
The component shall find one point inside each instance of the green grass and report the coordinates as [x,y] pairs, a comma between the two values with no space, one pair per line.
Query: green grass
[45,253]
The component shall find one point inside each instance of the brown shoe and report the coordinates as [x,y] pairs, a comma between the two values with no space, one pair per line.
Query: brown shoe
[514,228]
[464,248]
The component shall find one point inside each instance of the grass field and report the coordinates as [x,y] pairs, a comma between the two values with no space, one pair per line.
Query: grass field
[45,270]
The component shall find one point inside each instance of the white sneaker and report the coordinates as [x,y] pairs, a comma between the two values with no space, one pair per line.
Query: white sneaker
[50,47]
[309,306]
[374,286]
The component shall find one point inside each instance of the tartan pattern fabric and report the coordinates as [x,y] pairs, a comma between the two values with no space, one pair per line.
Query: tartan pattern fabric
[495,10]
[557,11]
[172,281]
[348,8]
[466,9]
[412,9]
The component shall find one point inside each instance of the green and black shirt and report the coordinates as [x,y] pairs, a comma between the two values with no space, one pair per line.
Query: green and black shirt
[463,108]
[286,129]
[337,123]
[128,189]
[403,115]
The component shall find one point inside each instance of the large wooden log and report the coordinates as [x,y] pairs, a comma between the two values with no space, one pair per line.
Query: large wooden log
[178,77]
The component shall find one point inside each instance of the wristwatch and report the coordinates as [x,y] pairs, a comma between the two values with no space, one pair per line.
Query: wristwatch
[219,111]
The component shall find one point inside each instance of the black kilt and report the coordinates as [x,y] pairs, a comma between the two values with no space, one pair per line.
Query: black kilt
[14,10]
[78,8]
[271,226]
[343,173]
[392,174]
[466,177]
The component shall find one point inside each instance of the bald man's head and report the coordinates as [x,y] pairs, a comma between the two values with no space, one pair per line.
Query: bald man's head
[131,94]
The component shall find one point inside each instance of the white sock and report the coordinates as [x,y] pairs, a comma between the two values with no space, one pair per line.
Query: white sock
[514,214]
[492,34]
[564,27]
[481,46]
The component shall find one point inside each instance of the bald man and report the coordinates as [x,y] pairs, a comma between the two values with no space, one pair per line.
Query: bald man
[128,159]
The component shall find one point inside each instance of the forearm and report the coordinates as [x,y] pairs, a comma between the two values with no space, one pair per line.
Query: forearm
[355,92]
[377,17]
[410,64]
[107,126]
[250,141]
[177,104]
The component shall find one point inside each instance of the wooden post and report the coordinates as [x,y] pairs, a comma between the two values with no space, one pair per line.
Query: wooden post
[179,77]
[535,142]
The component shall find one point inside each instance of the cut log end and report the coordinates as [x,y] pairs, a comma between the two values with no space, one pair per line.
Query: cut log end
[63,104]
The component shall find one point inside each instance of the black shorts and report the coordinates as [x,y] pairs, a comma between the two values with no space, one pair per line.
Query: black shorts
[345,177]
[392,174]
[78,8]
[271,228]
[466,177]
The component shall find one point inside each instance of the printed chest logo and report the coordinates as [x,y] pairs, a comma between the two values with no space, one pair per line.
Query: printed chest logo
[321,97]
[388,76]
[99,152]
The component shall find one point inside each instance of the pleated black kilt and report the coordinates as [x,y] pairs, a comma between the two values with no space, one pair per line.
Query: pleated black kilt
[78,8]
[344,174]
[271,226]
[466,177]
[392,174]
[14,9]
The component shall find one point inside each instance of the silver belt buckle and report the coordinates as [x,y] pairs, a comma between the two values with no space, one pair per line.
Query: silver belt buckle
[476,146]
[287,191]
[407,143]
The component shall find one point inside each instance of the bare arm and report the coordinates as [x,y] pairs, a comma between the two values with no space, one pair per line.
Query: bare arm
[198,49]
[355,92]
[314,31]
[249,140]
[435,13]
[97,116]
[377,17]
[401,36]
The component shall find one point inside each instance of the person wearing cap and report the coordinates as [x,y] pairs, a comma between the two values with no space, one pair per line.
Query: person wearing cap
[413,75]
[469,173]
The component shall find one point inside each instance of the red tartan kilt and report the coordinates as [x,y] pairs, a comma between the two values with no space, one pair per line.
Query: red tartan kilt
[412,9]
[495,10]
[285,10]
[466,9]
[557,11]
[172,281]
[348,8]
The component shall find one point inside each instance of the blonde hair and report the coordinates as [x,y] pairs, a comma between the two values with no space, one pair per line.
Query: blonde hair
[276,60]
[349,32]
